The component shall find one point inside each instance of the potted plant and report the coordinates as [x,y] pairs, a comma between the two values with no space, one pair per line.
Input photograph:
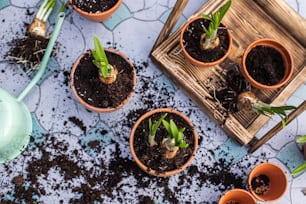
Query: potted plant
[204,40]
[163,142]
[301,167]
[95,10]
[103,80]
[237,196]
[267,182]
[267,64]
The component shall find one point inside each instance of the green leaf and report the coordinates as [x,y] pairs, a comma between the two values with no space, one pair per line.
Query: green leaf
[299,169]
[224,9]
[174,130]
[302,139]
[100,59]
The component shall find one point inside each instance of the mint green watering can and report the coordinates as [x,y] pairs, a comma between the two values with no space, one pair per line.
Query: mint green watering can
[15,117]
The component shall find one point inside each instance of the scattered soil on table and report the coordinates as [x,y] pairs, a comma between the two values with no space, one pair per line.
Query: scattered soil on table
[97,6]
[260,184]
[93,91]
[265,65]
[27,51]
[153,157]
[192,37]
[114,177]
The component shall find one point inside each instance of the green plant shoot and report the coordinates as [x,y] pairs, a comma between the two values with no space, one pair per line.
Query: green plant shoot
[215,20]
[45,10]
[301,167]
[247,100]
[100,60]
[176,136]
[153,128]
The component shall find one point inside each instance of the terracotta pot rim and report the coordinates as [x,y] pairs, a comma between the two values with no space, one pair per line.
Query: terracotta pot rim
[287,58]
[97,109]
[197,62]
[97,16]
[237,190]
[275,167]
[143,166]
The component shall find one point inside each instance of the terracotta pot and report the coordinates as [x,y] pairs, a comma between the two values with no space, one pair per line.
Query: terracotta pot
[98,109]
[141,164]
[239,195]
[98,17]
[195,61]
[278,181]
[287,58]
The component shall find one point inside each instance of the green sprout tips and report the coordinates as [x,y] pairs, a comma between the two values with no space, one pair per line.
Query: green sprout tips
[107,72]
[248,101]
[153,128]
[301,167]
[38,25]
[175,139]
[210,39]
[45,10]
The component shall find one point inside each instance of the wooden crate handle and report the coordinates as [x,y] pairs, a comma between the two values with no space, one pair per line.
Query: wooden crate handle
[258,143]
[171,21]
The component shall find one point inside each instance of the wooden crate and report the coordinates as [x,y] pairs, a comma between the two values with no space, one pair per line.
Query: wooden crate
[248,20]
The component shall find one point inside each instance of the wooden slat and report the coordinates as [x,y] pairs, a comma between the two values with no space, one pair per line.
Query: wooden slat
[171,21]
[248,21]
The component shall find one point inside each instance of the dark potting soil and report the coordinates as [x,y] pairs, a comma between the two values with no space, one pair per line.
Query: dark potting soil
[27,51]
[96,6]
[93,91]
[260,184]
[192,37]
[153,157]
[265,65]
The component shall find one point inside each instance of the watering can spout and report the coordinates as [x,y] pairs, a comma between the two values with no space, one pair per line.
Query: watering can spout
[46,57]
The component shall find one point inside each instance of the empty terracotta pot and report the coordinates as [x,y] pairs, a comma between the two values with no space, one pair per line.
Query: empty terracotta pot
[277,181]
[98,17]
[286,57]
[237,196]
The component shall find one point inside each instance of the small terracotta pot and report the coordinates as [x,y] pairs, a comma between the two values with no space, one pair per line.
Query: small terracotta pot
[98,17]
[278,181]
[146,168]
[239,195]
[287,58]
[195,61]
[97,109]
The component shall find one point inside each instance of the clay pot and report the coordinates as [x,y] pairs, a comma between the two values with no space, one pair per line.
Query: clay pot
[148,169]
[286,56]
[98,17]
[99,109]
[195,61]
[277,178]
[237,195]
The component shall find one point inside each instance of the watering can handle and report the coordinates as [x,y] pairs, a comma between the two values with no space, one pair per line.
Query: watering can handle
[45,59]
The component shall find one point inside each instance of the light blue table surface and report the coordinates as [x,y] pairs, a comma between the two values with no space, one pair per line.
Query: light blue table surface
[133,29]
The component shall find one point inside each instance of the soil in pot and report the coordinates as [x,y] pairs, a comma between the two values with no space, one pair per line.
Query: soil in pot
[97,94]
[153,157]
[260,184]
[94,6]
[265,65]
[192,38]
